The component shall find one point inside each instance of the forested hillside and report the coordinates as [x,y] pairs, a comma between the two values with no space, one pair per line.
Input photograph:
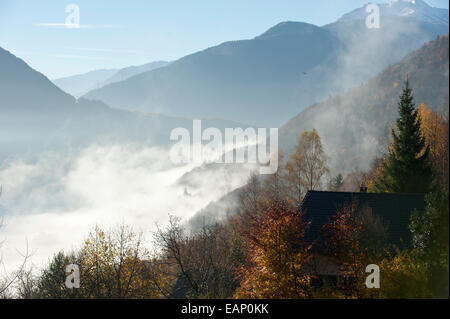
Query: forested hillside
[355,125]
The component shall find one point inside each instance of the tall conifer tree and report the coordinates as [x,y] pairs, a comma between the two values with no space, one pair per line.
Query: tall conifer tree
[407,168]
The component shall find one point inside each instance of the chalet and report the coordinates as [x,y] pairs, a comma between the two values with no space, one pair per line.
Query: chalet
[393,209]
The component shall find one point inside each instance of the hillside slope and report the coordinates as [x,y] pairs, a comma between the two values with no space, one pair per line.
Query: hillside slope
[353,124]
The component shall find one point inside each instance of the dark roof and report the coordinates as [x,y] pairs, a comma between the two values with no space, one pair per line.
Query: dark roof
[394,209]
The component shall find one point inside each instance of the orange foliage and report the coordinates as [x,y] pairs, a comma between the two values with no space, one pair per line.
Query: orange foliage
[277,256]
[434,128]
[342,241]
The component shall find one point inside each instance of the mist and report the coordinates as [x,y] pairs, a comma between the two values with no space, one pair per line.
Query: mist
[353,120]
[51,203]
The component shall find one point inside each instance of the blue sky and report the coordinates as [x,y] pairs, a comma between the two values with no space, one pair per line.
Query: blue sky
[123,33]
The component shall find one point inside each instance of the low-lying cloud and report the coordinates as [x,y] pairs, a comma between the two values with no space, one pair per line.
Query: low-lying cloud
[53,201]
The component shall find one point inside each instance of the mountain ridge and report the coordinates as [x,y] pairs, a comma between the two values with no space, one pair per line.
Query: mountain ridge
[80,84]
[291,65]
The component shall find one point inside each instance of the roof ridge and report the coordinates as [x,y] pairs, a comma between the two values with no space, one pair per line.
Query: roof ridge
[333,192]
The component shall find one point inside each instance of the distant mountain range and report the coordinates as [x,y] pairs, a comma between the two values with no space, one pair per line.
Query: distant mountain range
[266,80]
[36,115]
[80,84]
[128,72]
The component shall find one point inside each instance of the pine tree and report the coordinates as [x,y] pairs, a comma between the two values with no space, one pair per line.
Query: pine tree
[336,182]
[407,168]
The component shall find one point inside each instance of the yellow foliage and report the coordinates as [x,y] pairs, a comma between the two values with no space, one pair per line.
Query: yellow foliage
[402,277]
[114,265]
[433,129]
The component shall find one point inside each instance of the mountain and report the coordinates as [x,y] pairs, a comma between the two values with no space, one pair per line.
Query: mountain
[78,85]
[264,81]
[130,71]
[354,126]
[236,80]
[24,89]
[36,115]
[216,211]
[417,9]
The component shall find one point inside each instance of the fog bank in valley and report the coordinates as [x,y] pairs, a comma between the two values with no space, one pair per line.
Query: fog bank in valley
[52,202]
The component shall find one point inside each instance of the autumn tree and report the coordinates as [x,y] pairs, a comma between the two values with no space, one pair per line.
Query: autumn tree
[355,238]
[435,130]
[402,276]
[407,168]
[314,159]
[306,167]
[112,264]
[340,238]
[430,228]
[374,176]
[274,186]
[198,265]
[249,201]
[277,256]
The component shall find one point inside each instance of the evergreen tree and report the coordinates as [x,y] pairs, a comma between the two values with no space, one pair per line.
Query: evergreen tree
[336,182]
[407,168]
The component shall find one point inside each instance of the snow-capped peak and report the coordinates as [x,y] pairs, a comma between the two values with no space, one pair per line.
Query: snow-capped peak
[417,9]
